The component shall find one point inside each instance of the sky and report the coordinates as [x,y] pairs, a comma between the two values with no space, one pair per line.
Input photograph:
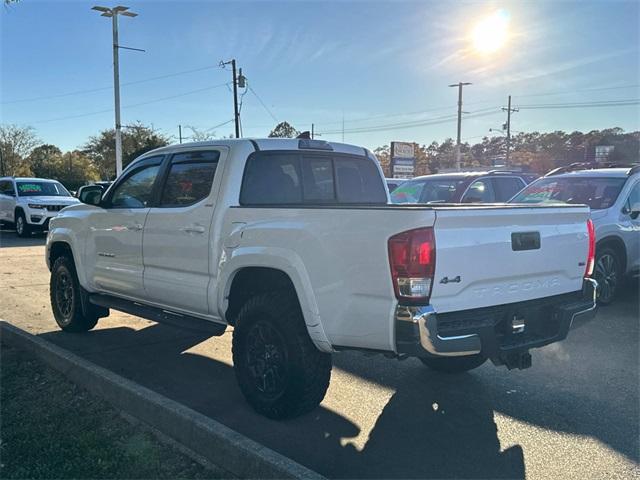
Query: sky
[382,68]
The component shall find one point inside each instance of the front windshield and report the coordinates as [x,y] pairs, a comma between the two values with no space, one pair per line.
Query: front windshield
[42,189]
[436,190]
[598,193]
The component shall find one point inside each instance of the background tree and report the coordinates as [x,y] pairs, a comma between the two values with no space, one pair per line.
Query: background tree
[16,143]
[136,140]
[284,130]
[384,157]
[41,160]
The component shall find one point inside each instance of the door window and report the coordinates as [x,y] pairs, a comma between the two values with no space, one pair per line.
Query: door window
[507,187]
[190,178]
[136,190]
[6,188]
[634,197]
[480,191]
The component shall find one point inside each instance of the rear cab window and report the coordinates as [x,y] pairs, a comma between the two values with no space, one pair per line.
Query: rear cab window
[294,177]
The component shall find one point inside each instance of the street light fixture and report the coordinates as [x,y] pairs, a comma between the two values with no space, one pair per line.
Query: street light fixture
[113,14]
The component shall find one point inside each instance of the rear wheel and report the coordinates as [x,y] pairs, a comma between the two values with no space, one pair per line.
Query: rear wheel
[454,364]
[65,298]
[607,273]
[23,229]
[280,371]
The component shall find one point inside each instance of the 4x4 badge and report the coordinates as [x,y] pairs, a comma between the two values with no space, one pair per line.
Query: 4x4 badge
[446,280]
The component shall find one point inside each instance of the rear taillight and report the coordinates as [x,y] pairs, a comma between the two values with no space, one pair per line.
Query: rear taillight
[591,258]
[412,257]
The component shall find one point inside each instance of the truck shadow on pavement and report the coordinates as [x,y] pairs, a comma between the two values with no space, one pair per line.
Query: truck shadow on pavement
[412,438]
[433,426]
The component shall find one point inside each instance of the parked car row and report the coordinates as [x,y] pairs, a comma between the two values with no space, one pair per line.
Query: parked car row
[494,186]
[612,194]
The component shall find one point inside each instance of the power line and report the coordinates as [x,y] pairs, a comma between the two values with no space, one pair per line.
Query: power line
[484,112]
[100,89]
[419,123]
[88,114]
[608,103]
[263,104]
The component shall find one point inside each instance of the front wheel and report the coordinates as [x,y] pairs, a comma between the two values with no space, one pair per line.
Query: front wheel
[65,298]
[607,273]
[280,371]
[454,364]
[23,229]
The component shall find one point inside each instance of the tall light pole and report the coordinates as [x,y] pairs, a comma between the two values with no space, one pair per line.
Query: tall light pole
[459,85]
[113,14]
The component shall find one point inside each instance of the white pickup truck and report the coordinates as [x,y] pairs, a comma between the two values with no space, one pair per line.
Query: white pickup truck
[293,242]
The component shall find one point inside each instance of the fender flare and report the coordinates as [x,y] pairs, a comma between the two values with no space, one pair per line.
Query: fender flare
[286,261]
[66,235]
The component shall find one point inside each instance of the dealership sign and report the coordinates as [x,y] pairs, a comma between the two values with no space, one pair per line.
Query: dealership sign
[403,159]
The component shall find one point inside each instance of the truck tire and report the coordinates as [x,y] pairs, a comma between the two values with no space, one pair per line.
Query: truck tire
[454,364]
[608,273]
[66,302]
[280,371]
[23,229]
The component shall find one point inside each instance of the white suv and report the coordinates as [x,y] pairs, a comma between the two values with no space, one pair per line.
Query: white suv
[29,203]
[613,194]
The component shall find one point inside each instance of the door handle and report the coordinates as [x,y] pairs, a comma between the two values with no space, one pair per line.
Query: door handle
[193,229]
[136,227]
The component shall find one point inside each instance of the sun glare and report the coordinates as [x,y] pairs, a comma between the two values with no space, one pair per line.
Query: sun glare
[491,33]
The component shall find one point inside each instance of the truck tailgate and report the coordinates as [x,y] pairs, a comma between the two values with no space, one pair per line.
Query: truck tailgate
[498,255]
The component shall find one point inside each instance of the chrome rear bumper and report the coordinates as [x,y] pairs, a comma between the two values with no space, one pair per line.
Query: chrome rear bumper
[492,331]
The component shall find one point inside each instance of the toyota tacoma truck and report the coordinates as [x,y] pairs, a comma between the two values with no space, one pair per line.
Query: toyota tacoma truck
[294,243]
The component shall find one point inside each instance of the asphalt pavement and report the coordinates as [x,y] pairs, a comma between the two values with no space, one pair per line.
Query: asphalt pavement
[574,414]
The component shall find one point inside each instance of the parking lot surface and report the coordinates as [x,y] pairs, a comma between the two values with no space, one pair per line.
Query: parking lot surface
[574,414]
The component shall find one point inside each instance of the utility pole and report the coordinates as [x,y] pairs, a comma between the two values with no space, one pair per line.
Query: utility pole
[180,133]
[312,132]
[113,14]
[508,110]
[459,85]
[238,81]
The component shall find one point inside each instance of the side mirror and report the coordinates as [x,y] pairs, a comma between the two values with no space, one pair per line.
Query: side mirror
[90,194]
[634,212]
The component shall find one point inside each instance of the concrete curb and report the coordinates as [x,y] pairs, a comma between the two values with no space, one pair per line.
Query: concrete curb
[217,443]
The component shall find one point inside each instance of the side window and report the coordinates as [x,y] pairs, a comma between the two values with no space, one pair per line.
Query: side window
[6,187]
[317,174]
[135,191]
[189,179]
[480,191]
[634,197]
[272,179]
[359,181]
[507,187]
